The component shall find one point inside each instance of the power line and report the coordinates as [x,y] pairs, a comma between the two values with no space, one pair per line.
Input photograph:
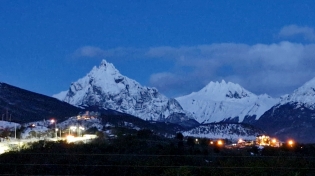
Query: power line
[150,155]
[156,166]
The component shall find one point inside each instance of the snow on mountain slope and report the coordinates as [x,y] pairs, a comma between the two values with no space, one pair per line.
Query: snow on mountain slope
[8,125]
[304,95]
[105,87]
[224,131]
[221,101]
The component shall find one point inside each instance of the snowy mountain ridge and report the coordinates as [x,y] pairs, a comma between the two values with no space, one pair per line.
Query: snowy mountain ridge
[105,87]
[304,95]
[221,101]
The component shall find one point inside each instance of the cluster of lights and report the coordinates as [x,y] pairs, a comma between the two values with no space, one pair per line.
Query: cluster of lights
[265,140]
[71,128]
[218,142]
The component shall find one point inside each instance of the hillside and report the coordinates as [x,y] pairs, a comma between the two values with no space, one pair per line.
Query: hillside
[21,106]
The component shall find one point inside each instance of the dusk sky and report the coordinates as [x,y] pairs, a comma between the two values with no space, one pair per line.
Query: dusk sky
[266,46]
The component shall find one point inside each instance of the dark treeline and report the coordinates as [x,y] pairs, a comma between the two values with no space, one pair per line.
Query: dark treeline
[147,154]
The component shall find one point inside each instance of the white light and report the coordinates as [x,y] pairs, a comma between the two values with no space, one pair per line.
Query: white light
[73,128]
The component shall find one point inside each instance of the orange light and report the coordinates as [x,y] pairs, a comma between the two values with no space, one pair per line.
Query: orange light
[290,142]
[274,140]
[220,142]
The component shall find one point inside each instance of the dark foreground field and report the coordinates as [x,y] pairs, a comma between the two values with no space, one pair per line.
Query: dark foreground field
[147,154]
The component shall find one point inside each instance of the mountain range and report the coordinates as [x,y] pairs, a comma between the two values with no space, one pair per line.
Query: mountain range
[222,102]
[217,102]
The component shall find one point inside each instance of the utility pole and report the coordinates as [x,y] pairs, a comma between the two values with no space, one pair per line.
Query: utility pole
[15,130]
[56,129]
[6,115]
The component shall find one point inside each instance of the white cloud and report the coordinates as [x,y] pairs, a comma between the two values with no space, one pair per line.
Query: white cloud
[89,51]
[96,52]
[274,69]
[294,30]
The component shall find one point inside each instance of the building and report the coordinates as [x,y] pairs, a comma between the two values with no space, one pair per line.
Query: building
[88,115]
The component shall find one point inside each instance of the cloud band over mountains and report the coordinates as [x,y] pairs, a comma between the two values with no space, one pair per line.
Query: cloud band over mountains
[276,68]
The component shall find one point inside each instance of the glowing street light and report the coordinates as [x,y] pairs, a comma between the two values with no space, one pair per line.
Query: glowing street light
[220,142]
[290,142]
[80,128]
[73,128]
[55,122]
[57,129]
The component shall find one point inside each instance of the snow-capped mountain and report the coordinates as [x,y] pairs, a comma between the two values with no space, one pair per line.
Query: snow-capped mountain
[293,116]
[303,96]
[221,101]
[105,87]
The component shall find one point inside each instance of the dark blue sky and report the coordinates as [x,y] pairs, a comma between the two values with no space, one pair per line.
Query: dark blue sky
[176,46]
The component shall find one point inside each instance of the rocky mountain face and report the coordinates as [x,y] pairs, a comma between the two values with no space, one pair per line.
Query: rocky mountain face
[294,115]
[105,87]
[226,102]
[21,106]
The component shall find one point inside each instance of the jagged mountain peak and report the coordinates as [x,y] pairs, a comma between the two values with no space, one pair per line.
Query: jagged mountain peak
[105,67]
[105,87]
[221,91]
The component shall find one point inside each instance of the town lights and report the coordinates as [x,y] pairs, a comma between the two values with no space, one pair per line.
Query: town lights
[73,128]
[76,129]
[70,138]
